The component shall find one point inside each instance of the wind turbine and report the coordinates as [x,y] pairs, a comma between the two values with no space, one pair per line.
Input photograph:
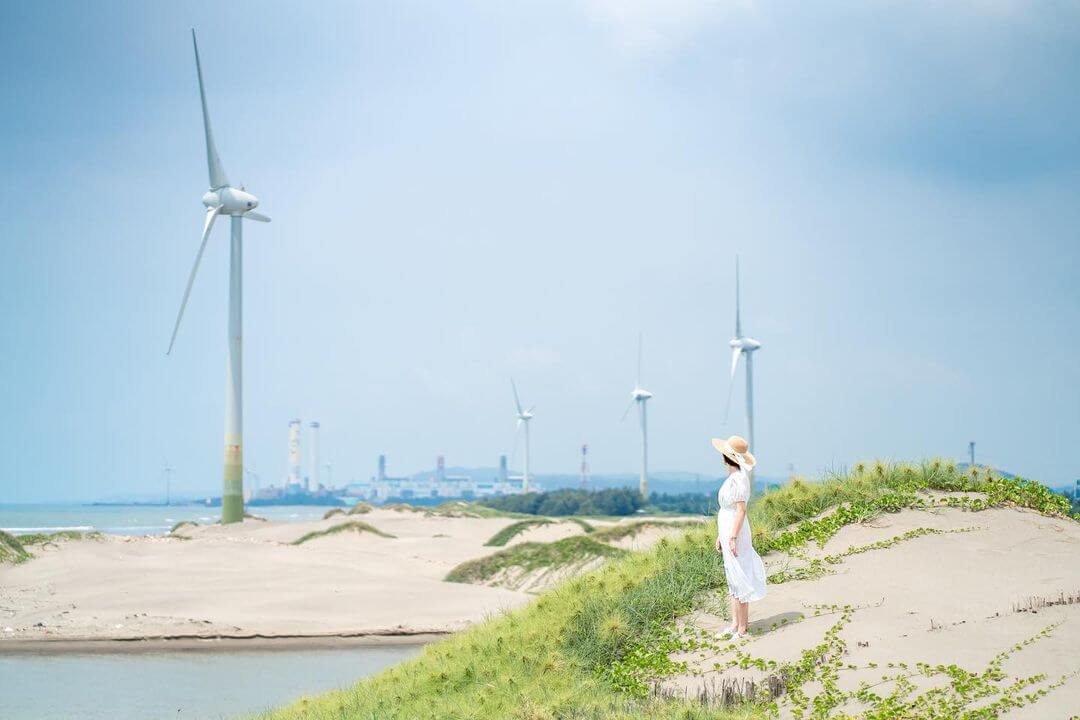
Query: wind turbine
[523,418]
[224,199]
[641,396]
[741,345]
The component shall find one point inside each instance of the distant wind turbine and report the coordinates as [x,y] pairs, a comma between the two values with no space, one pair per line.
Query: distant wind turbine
[223,199]
[741,345]
[641,396]
[523,418]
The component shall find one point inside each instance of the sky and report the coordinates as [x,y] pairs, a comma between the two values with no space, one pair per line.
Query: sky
[465,192]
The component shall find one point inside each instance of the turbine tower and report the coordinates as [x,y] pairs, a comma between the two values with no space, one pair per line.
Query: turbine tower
[224,199]
[741,345]
[523,418]
[641,396]
[584,466]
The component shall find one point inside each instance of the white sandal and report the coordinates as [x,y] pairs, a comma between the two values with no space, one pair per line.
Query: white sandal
[727,633]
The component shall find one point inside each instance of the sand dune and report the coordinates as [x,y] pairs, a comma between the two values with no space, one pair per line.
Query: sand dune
[247,579]
[250,580]
[959,597]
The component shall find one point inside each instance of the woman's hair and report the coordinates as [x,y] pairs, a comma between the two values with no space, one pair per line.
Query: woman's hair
[730,462]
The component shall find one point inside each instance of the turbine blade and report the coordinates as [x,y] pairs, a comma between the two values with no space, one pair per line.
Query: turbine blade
[738,320]
[531,409]
[517,401]
[208,225]
[257,217]
[637,383]
[735,361]
[627,411]
[213,162]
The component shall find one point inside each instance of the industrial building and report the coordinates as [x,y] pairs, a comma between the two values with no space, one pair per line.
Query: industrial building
[438,485]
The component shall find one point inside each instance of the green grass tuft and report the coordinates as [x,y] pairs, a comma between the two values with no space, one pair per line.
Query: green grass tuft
[511,531]
[587,527]
[362,508]
[631,529]
[356,526]
[11,550]
[529,556]
[183,524]
[45,538]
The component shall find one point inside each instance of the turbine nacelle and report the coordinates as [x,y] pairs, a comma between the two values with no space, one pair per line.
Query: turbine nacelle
[230,200]
[641,394]
[745,344]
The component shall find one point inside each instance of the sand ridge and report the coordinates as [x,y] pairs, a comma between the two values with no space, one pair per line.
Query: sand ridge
[249,580]
[961,596]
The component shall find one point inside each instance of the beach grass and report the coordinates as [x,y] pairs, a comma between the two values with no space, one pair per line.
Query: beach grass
[632,529]
[362,508]
[356,526]
[529,556]
[12,550]
[585,525]
[566,654]
[332,512]
[44,538]
[511,531]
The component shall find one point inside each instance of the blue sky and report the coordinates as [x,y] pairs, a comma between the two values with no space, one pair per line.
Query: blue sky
[465,191]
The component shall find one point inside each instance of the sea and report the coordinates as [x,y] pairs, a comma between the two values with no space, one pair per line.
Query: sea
[179,684]
[131,519]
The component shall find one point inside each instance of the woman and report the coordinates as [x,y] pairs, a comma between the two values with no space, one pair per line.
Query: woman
[742,565]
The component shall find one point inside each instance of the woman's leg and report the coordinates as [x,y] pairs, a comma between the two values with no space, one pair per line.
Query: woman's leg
[744,616]
[735,613]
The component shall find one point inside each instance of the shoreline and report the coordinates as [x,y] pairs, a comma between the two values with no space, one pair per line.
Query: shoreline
[217,642]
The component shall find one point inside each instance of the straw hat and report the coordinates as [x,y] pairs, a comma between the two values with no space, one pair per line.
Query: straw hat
[737,449]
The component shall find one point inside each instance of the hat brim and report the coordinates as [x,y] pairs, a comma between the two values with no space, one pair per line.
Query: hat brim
[745,460]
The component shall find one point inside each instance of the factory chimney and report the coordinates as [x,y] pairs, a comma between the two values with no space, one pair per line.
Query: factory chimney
[294,455]
[381,476]
[313,455]
[503,474]
[440,469]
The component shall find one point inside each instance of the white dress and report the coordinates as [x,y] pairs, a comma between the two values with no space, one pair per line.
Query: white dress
[745,573]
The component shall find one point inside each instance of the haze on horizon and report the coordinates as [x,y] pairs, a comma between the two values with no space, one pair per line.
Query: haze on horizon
[465,192]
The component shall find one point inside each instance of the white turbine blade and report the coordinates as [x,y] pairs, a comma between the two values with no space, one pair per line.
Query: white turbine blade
[257,217]
[517,401]
[738,321]
[735,361]
[637,382]
[627,411]
[213,162]
[207,227]
[530,410]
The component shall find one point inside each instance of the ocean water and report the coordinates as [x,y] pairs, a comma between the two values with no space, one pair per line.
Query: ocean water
[181,684]
[131,519]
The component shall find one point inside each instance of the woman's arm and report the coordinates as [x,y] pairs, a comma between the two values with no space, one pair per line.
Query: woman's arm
[736,526]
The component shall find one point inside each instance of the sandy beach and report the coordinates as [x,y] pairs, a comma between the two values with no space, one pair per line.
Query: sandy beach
[249,581]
